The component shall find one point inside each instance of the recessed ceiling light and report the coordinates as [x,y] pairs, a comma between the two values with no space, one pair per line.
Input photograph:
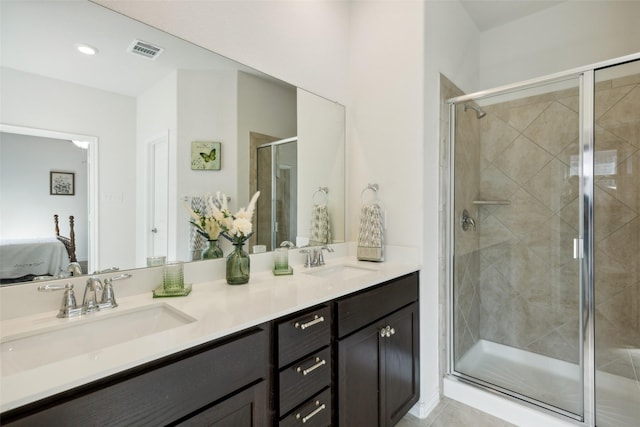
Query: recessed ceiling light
[86,49]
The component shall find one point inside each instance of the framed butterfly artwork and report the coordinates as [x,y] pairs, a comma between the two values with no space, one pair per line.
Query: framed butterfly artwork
[206,155]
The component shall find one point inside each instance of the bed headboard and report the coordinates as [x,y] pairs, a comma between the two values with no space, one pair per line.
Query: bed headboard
[68,242]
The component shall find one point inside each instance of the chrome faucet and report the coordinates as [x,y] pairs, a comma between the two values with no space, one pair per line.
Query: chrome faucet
[315,255]
[90,300]
[69,308]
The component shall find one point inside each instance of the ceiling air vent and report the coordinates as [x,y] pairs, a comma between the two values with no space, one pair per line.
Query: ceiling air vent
[145,49]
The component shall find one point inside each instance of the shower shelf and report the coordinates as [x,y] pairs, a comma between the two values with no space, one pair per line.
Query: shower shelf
[491,202]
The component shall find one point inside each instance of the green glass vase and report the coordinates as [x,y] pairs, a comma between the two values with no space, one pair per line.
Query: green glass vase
[238,266]
[212,251]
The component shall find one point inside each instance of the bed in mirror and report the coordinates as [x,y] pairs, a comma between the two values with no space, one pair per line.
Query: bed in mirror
[124,124]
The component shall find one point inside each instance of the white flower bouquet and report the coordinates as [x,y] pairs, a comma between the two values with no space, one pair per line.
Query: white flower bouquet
[218,219]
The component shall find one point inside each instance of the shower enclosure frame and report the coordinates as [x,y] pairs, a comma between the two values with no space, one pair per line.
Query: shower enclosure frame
[274,156]
[586,77]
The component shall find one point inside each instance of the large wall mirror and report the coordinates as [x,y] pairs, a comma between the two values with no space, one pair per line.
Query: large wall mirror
[121,140]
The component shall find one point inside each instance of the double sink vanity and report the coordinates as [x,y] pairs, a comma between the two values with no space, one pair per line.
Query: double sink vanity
[331,345]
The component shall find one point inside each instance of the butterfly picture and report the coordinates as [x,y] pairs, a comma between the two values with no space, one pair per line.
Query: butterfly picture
[209,157]
[205,155]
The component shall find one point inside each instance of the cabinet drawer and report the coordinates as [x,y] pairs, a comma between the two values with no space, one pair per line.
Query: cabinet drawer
[361,309]
[303,379]
[303,334]
[314,413]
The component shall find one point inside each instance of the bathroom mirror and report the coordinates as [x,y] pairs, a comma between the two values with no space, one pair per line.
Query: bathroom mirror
[147,106]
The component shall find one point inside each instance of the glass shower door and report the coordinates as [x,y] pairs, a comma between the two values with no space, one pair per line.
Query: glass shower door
[517,212]
[617,245]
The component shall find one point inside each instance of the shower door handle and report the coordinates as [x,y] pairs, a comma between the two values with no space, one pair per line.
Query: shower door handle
[577,249]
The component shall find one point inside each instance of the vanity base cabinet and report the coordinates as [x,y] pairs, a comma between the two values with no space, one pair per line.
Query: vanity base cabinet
[207,381]
[378,364]
[350,362]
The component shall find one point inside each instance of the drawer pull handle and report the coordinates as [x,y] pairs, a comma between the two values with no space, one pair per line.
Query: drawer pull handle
[319,362]
[316,319]
[312,414]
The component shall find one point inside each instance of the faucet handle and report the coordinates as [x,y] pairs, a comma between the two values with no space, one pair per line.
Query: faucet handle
[108,299]
[321,250]
[308,258]
[68,306]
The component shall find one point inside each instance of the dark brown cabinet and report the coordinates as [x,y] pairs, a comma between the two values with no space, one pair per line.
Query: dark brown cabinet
[378,357]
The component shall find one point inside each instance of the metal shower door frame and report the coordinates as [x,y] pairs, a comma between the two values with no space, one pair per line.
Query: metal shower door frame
[586,76]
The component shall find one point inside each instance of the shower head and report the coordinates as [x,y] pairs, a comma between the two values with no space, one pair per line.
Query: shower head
[479,113]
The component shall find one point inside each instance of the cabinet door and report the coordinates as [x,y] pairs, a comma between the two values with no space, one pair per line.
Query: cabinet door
[399,365]
[245,409]
[378,371]
[358,373]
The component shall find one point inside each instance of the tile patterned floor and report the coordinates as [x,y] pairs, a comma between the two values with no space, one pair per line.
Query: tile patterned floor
[450,413]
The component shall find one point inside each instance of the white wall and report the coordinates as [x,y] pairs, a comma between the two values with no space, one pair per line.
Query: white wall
[38,102]
[321,134]
[569,35]
[26,206]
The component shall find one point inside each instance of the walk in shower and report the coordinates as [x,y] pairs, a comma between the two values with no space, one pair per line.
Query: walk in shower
[544,242]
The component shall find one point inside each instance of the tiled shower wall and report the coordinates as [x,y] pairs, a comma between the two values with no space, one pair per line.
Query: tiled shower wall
[528,277]
[528,290]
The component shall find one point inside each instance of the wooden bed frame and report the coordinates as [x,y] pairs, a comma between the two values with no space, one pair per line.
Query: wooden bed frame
[68,242]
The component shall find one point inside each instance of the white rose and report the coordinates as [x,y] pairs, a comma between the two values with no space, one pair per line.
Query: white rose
[243,226]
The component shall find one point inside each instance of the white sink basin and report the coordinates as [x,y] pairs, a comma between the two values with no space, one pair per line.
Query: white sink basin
[85,335]
[341,271]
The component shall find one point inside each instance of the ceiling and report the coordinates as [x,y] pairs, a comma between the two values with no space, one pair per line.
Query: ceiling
[488,14]
[39,37]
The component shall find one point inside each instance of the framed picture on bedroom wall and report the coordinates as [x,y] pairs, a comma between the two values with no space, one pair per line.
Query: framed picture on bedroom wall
[62,183]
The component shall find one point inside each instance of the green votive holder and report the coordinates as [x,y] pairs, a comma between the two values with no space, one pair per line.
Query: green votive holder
[281,262]
[173,276]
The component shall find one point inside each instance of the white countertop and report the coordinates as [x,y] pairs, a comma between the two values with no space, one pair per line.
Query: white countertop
[218,309]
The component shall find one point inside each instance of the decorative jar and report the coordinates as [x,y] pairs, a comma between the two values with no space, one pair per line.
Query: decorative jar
[212,251]
[238,265]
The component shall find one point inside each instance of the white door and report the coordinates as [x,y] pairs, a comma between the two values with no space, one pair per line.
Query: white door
[158,191]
